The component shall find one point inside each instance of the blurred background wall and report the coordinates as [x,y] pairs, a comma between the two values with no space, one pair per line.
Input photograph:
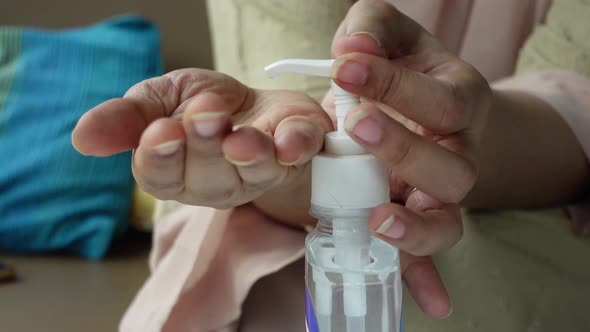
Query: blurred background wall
[183,23]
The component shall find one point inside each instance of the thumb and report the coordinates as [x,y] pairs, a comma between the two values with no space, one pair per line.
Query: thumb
[377,28]
[117,124]
[111,127]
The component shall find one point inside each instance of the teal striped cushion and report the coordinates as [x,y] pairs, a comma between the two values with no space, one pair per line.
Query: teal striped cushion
[51,197]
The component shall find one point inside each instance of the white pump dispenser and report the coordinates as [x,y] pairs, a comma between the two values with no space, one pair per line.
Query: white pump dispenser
[344,100]
[347,182]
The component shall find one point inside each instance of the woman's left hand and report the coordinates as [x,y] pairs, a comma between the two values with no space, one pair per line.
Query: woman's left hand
[423,113]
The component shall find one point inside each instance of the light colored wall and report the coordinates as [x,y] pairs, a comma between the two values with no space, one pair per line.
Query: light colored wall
[183,23]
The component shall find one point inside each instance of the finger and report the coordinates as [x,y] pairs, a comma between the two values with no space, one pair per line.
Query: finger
[209,177]
[252,152]
[378,28]
[111,127]
[274,107]
[447,175]
[444,110]
[297,140]
[357,42]
[117,125]
[158,162]
[418,233]
[297,122]
[425,285]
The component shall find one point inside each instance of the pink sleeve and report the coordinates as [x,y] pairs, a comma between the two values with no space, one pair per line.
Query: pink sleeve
[204,263]
[569,94]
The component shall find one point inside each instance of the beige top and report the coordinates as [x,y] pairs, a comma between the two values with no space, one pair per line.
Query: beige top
[223,270]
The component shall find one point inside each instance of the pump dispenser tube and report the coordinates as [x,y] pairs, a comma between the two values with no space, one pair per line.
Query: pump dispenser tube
[351,275]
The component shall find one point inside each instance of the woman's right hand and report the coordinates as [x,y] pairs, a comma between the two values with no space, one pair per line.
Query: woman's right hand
[423,113]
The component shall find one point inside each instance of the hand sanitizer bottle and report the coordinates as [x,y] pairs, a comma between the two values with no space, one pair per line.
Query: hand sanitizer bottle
[353,279]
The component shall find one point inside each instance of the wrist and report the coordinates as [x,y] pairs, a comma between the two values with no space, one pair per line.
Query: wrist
[529,157]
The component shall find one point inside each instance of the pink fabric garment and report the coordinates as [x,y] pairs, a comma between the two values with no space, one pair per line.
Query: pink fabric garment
[203,265]
[205,262]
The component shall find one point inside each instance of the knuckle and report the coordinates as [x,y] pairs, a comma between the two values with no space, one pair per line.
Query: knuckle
[399,153]
[389,85]
[150,167]
[463,183]
[179,79]
[157,165]
[191,82]
[206,153]
[162,191]
[158,90]
[453,114]
[258,186]
[265,181]
[463,99]
[152,88]
[219,196]
[418,246]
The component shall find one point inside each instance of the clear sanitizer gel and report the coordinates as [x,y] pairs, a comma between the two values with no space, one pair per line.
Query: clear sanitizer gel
[353,279]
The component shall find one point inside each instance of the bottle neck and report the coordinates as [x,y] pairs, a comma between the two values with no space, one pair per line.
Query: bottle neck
[324,226]
[344,102]
[345,226]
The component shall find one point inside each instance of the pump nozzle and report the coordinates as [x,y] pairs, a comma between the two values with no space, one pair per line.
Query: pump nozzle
[344,100]
[300,66]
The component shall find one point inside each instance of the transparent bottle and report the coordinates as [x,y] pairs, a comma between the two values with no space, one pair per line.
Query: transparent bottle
[329,281]
[353,278]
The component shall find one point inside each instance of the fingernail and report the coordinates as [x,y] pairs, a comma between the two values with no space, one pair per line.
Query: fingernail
[168,148]
[392,227]
[351,72]
[363,126]
[241,163]
[368,34]
[288,163]
[449,314]
[208,124]
[282,144]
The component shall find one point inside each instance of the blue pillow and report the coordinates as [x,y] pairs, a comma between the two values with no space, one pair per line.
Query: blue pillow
[51,197]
